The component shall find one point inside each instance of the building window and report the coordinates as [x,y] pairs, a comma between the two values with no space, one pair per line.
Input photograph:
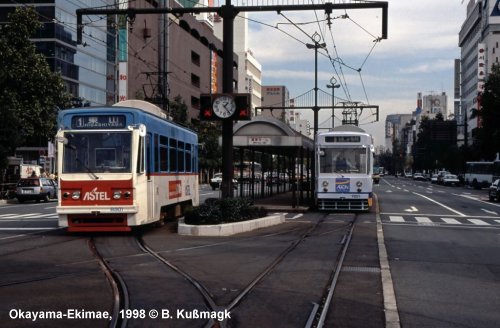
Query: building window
[195,80]
[195,58]
[195,102]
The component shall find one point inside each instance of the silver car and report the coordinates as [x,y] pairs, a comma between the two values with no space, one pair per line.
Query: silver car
[36,189]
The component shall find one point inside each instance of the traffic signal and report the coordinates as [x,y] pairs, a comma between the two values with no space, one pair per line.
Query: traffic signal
[243,109]
[206,110]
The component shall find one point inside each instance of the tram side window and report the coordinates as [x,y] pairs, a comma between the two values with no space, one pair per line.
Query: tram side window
[180,156]
[163,154]
[156,154]
[195,158]
[148,155]
[173,155]
[188,158]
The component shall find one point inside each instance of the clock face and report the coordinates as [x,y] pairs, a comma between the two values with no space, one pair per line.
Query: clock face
[224,106]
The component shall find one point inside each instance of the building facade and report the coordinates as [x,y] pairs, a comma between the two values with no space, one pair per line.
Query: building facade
[275,96]
[394,128]
[479,40]
[249,68]
[433,104]
[88,70]
[155,57]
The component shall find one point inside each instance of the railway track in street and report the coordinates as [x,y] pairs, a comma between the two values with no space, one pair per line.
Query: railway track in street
[320,311]
[316,318]
[141,276]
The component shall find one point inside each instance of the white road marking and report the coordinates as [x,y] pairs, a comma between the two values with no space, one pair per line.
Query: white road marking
[19,216]
[411,209]
[21,229]
[450,221]
[396,219]
[489,212]
[423,219]
[477,222]
[434,201]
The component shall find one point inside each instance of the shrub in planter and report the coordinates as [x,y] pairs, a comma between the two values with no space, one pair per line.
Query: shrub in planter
[227,210]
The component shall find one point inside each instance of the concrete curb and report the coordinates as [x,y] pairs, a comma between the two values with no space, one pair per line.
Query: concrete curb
[228,229]
[390,304]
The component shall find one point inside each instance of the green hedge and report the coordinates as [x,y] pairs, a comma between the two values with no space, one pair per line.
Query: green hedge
[227,210]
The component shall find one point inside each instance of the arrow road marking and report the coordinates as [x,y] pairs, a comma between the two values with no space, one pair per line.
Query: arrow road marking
[411,209]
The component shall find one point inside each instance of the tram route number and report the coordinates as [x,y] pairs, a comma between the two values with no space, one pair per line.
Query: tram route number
[177,314]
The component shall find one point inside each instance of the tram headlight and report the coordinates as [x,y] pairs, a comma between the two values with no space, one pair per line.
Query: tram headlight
[75,195]
[359,184]
[117,194]
[325,186]
[126,194]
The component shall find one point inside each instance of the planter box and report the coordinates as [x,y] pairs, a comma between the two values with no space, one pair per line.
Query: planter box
[228,229]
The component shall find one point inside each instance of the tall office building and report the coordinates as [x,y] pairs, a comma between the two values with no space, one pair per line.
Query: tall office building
[479,40]
[88,69]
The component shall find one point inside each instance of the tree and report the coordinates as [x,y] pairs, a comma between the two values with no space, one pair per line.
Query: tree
[30,93]
[178,110]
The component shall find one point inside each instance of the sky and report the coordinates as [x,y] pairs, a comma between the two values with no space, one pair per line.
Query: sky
[417,56]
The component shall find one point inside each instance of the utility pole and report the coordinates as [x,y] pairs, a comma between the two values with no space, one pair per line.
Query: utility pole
[228,13]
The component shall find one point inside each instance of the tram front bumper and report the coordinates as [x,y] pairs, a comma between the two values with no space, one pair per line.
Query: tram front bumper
[98,218]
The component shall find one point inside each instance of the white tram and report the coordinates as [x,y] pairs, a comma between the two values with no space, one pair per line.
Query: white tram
[123,166]
[344,167]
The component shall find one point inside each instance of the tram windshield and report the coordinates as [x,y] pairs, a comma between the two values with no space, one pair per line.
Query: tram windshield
[97,152]
[344,160]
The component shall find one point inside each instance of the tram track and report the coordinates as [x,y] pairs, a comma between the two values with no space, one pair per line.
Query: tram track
[117,274]
[118,287]
[318,315]
[318,318]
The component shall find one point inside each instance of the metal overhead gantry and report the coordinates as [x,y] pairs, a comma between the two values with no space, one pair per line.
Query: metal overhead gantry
[228,12]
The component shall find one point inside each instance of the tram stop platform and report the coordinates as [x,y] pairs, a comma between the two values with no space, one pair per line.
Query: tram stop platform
[282,202]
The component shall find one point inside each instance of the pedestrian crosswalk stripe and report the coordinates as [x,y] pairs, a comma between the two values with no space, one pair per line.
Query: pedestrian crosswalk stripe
[50,215]
[396,219]
[478,222]
[423,219]
[450,221]
[27,216]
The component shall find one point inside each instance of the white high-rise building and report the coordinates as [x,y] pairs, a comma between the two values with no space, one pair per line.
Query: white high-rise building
[479,40]
[249,69]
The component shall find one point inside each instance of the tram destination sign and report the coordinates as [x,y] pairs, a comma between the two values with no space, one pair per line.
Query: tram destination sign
[98,122]
[342,139]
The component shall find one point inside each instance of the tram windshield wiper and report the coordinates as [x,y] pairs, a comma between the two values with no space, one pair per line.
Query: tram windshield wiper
[89,171]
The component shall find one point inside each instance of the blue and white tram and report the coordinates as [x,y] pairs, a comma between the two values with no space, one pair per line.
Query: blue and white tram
[344,168]
[123,166]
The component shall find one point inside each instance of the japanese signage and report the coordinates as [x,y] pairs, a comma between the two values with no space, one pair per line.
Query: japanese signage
[98,122]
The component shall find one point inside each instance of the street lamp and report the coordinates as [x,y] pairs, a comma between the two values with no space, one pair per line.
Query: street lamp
[315,46]
[316,37]
[333,86]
